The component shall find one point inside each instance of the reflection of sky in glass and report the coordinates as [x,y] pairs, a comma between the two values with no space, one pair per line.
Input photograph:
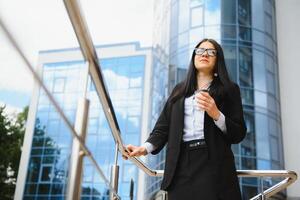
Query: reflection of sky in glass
[213,5]
[212,12]
[47,172]
[123,78]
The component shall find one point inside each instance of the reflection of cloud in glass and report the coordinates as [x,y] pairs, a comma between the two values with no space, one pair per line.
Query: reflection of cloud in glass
[116,83]
[183,16]
[212,17]
[134,121]
[70,100]
[213,32]
[212,21]
[126,96]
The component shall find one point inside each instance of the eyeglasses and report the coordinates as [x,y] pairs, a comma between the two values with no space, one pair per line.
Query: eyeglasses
[210,52]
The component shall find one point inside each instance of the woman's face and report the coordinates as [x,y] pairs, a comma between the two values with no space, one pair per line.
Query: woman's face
[205,58]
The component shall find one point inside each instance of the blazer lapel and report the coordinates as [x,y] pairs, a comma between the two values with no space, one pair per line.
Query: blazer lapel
[205,124]
[180,114]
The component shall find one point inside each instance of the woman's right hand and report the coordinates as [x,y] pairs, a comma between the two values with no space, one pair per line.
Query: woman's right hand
[135,151]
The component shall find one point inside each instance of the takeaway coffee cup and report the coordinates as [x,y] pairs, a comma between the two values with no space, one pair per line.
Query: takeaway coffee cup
[197,92]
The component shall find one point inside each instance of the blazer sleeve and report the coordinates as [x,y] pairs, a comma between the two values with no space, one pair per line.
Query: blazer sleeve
[159,135]
[234,117]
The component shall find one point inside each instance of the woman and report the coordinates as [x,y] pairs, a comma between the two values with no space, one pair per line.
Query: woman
[202,117]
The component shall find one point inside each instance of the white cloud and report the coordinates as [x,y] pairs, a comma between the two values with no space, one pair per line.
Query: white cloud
[119,21]
[14,75]
[43,25]
[10,110]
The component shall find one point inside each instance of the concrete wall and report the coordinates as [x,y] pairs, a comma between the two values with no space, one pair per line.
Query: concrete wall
[288,35]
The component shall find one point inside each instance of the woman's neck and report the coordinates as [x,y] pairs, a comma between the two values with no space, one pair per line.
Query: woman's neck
[203,79]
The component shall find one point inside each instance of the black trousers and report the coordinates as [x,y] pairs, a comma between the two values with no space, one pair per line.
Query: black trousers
[195,177]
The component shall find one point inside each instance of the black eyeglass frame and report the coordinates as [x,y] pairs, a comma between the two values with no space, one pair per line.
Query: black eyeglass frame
[201,51]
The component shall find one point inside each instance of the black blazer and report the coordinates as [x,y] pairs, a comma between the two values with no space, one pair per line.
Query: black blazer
[169,129]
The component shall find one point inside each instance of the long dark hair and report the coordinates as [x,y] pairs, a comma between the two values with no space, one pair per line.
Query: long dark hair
[219,84]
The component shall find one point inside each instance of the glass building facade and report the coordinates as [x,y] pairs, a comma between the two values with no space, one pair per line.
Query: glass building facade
[246,29]
[49,162]
[52,140]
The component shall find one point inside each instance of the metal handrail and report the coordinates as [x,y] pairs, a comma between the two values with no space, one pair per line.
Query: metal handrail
[290,177]
[89,52]
[85,41]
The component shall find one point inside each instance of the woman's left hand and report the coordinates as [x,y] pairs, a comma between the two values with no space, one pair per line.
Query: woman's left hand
[207,103]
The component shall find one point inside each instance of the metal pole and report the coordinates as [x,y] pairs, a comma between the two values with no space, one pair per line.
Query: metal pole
[114,177]
[76,163]
[131,191]
[262,188]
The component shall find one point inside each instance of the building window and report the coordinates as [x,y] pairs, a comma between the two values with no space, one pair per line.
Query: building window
[59,85]
[46,173]
[247,96]
[88,173]
[93,125]
[245,33]
[229,32]
[244,11]
[53,127]
[129,172]
[271,83]
[194,35]
[268,23]
[133,123]
[194,3]
[274,148]
[33,169]
[228,17]
[230,59]
[135,82]
[196,17]
[245,66]
[269,63]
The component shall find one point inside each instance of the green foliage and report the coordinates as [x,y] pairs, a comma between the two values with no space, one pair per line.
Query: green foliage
[12,131]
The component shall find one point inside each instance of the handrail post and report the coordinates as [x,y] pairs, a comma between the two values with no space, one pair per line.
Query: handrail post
[76,163]
[114,177]
[262,188]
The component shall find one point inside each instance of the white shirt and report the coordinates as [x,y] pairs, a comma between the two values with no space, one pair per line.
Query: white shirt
[193,120]
[193,123]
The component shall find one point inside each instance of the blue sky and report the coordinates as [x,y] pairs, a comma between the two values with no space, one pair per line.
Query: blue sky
[43,25]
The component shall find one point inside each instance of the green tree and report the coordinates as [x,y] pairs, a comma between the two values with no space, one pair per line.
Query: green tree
[12,131]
